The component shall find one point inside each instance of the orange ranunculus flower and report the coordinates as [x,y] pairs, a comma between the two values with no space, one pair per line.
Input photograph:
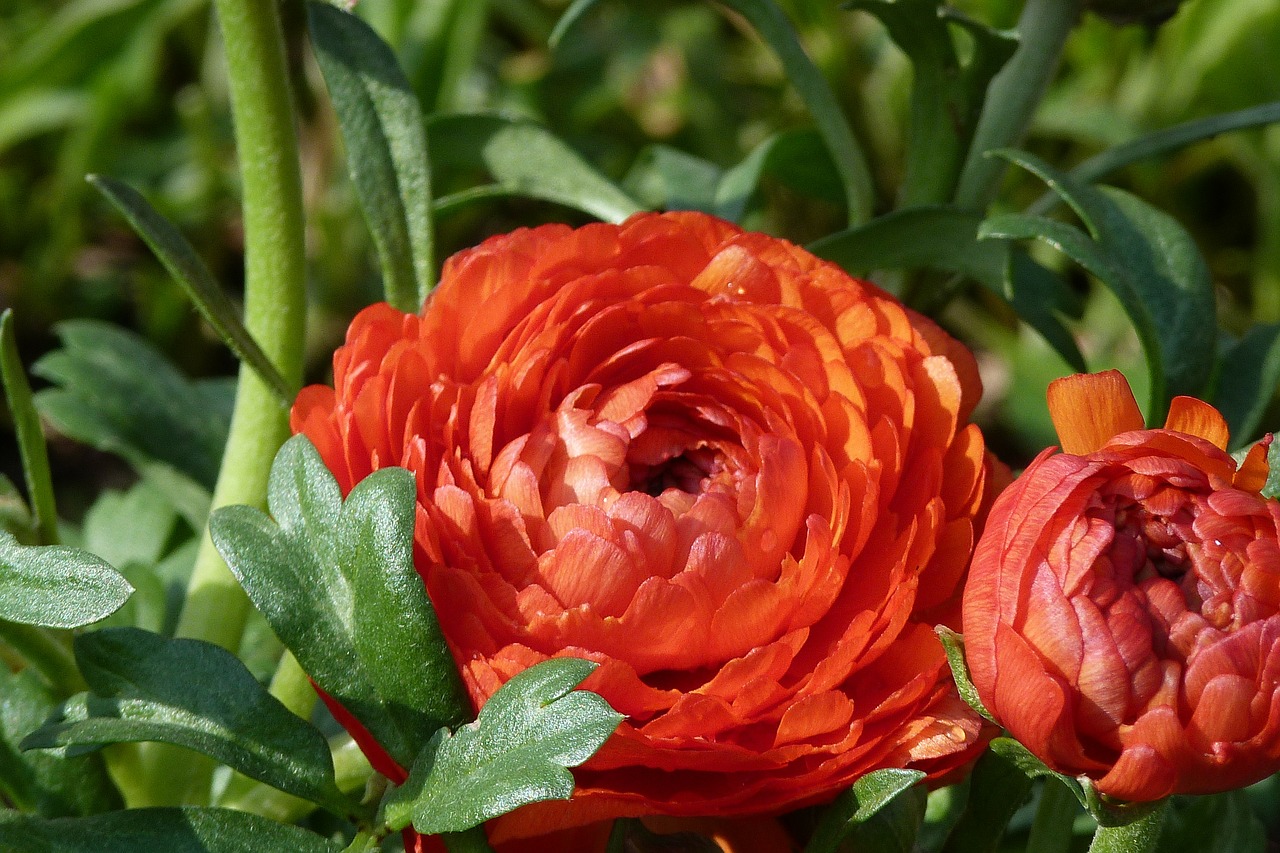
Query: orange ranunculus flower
[734,476]
[1121,614]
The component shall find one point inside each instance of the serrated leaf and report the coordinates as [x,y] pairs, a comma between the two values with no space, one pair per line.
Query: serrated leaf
[947,93]
[515,753]
[776,29]
[118,394]
[192,694]
[188,269]
[26,423]
[56,586]
[337,584]
[172,830]
[47,784]
[382,128]
[525,159]
[1148,260]
[1248,376]
[882,811]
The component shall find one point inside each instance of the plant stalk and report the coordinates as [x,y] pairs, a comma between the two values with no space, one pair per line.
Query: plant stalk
[1014,95]
[267,144]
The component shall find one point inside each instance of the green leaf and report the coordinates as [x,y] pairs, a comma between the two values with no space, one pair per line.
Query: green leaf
[947,93]
[666,178]
[1271,490]
[129,527]
[196,695]
[571,16]
[953,645]
[1221,823]
[193,276]
[15,517]
[48,784]
[525,159]
[882,811]
[998,789]
[337,584]
[382,130]
[118,394]
[515,752]
[855,176]
[797,158]
[56,586]
[1247,380]
[31,445]
[939,238]
[1148,260]
[172,830]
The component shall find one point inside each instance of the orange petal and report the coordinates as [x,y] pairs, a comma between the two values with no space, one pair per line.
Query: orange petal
[1089,409]
[1196,417]
[1252,475]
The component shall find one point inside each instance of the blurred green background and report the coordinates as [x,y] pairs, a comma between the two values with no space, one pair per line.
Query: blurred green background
[134,89]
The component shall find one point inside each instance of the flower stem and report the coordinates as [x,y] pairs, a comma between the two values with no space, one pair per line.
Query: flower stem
[1140,836]
[1014,95]
[266,140]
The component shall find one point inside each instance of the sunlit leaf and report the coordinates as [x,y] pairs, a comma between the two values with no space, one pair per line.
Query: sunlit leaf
[381,123]
[56,586]
[172,830]
[515,753]
[193,694]
[526,159]
[336,582]
[882,811]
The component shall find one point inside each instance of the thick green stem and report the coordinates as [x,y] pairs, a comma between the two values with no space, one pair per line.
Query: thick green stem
[1014,95]
[1141,836]
[266,141]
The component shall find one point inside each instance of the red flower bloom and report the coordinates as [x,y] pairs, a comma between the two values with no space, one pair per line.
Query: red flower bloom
[1121,614]
[737,478]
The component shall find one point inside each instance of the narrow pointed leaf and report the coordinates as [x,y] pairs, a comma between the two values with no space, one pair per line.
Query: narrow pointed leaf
[193,694]
[56,586]
[515,753]
[26,423]
[1148,260]
[526,159]
[191,273]
[882,811]
[1247,380]
[571,16]
[777,30]
[382,128]
[172,830]
[337,584]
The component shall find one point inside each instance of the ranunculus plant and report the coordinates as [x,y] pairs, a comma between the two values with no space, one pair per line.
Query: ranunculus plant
[620,520]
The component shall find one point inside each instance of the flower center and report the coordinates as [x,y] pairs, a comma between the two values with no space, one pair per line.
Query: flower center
[689,471]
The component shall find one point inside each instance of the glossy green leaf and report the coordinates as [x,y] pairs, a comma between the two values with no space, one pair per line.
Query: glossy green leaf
[192,694]
[44,783]
[171,830]
[515,753]
[26,424]
[56,586]
[526,159]
[1248,378]
[117,393]
[1148,260]
[777,30]
[336,582]
[947,93]
[382,129]
[882,811]
[188,269]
